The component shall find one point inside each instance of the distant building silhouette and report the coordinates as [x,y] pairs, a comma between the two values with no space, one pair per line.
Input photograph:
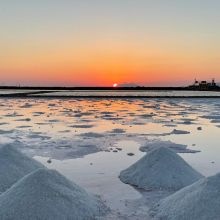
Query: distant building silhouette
[204,85]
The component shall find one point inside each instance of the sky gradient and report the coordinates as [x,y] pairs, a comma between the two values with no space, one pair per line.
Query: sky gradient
[101,42]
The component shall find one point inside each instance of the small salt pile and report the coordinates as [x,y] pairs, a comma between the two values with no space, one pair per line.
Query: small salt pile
[199,201]
[150,145]
[175,131]
[13,166]
[162,169]
[47,195]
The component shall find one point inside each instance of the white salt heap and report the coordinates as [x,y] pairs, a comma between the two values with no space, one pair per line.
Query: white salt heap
[160,169]
[47,195]
[13,166]
[199,201]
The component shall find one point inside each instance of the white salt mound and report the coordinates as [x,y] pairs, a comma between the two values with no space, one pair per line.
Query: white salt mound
[161,168]
[13,166]
[199,201]
[47,195]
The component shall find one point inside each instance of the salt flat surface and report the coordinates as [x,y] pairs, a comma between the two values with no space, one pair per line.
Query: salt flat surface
[88,140]
[17,91]
[118,93]
[156,143]
[10,91]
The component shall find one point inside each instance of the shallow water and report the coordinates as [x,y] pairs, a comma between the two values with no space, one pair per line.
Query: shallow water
[81,135]
[116,93]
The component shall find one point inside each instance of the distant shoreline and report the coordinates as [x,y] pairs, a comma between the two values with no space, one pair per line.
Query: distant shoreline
[104,92]
[107,97]
[46,95]
[104,88]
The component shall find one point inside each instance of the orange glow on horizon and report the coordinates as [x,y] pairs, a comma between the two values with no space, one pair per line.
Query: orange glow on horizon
[105,64]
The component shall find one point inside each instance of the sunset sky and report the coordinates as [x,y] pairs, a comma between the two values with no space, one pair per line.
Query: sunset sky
[102,42]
